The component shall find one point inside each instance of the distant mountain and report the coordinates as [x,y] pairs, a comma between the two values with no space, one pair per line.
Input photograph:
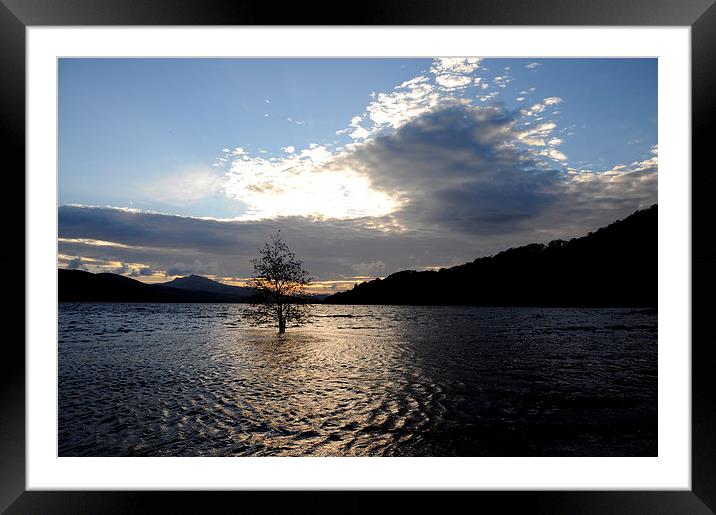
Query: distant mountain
[614,266]
[199,283]
[81,286]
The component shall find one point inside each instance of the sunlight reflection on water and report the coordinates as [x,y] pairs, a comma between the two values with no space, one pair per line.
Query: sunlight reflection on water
[193,379]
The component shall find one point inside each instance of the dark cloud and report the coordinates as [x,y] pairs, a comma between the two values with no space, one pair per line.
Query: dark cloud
[330,248]
[459,168]
[120,226]
[142,272]
[122,269]
[76,264]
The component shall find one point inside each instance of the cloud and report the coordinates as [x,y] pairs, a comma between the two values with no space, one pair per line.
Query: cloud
[535,135]
[458,167]
[187,187]
[502,81]
[416,96]
[455,72]
[598,196]
[449,80]
[76,264]
[105,264]
[453,81]
[122,269]
[359,133]
[289,186]
[455,65]
[409,100]
[372,269]
[551,101]
[290,149]
[535,109]
[533,66]
[98,243]
[554,154]
[355,130]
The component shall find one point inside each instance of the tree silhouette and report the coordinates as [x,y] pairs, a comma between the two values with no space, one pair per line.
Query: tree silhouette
[279,281]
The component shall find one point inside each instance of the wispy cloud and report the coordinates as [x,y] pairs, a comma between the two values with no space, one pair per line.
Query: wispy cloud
[184,188]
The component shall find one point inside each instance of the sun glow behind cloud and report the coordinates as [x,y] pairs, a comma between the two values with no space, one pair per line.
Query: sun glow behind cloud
[304,184]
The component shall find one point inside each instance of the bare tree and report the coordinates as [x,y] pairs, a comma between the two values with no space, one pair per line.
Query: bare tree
[279,282]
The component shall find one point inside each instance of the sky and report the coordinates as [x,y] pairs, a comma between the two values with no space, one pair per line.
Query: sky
[169,167]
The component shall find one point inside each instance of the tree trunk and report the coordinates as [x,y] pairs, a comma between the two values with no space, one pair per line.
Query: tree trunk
[281,326]
[281,319]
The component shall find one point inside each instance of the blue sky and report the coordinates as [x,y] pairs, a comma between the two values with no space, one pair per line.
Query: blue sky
[123,121]
[126,121]
[251,141]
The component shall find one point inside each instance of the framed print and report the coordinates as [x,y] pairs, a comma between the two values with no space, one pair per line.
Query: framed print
[432,250]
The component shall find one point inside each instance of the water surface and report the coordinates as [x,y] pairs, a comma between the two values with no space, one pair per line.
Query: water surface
[196,380]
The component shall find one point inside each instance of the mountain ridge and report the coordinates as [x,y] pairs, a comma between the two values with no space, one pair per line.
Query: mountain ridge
[615,265]
[200,283]
[82,286]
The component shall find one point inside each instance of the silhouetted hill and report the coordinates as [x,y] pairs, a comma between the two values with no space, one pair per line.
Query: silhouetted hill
[613,266]
[81,286]
[199,283]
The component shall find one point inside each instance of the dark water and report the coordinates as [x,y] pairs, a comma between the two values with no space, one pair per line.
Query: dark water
[194,380]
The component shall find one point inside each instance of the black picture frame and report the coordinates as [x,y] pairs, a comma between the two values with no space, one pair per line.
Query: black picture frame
[700,15]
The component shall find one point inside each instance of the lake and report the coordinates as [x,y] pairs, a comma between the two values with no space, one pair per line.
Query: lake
[197,380]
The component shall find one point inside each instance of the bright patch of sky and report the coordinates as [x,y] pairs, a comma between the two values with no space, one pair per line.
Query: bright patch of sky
[131,128]
[252,139]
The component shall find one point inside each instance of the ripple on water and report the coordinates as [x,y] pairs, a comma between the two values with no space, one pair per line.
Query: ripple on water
[193,379]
